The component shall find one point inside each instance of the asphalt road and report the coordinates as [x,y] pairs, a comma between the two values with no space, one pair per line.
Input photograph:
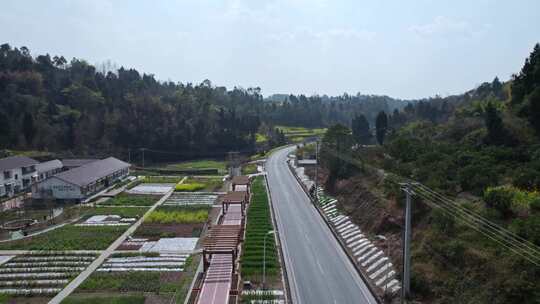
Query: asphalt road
[318,269]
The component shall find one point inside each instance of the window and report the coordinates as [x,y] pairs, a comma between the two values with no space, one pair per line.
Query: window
[7,174]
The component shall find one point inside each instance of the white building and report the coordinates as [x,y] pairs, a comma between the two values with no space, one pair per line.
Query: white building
[82,182]
[48,169]
[17,173]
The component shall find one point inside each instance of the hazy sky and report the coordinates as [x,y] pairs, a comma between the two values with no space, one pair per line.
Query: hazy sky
[405,49]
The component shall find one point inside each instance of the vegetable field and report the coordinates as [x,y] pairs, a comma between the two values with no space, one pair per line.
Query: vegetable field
[40,274]
[178,215]
[69,237]
[131,200]
[259,223]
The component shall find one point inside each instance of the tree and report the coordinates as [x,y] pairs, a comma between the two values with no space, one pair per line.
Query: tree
[360,129]
[29,130]
[381,125]
[494,124]
[335,146]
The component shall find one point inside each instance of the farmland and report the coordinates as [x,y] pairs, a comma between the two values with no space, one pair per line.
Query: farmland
[258,225]
[42,275]
[68,237]
[131,200]
[161,179]
[189,187]
[298,134]
[199,164]
[189,216]
[211,184]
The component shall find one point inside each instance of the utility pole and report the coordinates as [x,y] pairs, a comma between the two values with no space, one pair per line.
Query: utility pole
[316,170]
[142,149]
[129,155]
[405,291]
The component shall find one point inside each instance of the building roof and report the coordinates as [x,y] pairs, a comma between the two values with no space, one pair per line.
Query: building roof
[240,180]
[49,165]
[91,172]
[77,162]
[235,197]
[17,161]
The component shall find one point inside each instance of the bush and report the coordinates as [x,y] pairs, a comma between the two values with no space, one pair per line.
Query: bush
[190,187]
[511,200]
[499,198]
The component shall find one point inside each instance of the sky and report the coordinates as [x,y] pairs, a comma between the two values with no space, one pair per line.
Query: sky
[401,48]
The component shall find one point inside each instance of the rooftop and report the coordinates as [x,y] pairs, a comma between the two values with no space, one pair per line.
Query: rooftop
[89,173]
[49,165]
[77,162]
[235,196]
[17,161]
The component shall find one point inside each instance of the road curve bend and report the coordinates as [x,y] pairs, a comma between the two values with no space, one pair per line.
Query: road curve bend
[318,269]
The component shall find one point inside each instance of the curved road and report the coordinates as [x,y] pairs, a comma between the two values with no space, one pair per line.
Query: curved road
[318,269]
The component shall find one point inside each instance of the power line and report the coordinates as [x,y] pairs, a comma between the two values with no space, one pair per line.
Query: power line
[482,220]
[496,233]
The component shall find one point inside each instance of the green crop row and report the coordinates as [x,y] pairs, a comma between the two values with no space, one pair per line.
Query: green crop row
[259,223]
[190,187]
[131,200]
[177,217]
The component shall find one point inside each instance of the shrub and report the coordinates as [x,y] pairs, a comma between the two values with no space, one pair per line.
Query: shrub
[499,198]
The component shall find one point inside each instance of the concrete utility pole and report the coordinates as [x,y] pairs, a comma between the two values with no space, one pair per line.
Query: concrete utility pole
[316,169]
[129,155]
[142,149]
[405,291]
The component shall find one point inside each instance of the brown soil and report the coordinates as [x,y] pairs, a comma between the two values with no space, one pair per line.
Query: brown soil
[28,300]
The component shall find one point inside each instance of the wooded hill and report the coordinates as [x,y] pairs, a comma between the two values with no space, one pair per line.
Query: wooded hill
[483,151]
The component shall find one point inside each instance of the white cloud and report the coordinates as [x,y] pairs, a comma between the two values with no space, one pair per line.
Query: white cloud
[444,26]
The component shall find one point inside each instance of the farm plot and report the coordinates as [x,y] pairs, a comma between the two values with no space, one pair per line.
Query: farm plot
[132,199]
[43,274]
[170,222]
[69,237]
[159,277]
[79,236]
[190,199]
[153,189]
[258,225]
[208,184]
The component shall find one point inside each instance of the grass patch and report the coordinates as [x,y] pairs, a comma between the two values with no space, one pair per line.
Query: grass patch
[109,299]
[189,187]
[260,138]
[259,223]
[131,200]
[69,237]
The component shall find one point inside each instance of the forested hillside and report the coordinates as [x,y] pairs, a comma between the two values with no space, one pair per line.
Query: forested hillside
[483,150]
[50,103]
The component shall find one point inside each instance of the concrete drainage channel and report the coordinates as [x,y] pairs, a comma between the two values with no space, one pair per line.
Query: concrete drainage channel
[374,266]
